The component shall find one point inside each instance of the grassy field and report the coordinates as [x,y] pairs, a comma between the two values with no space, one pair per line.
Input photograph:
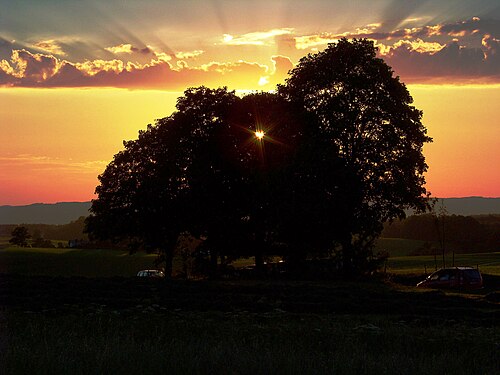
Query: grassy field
[73,262]
[54,321]
[109,263]
[401,262]
[488,263]
[397,247]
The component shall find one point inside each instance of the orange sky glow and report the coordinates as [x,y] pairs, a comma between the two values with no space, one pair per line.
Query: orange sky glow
[72,90]
[54,151]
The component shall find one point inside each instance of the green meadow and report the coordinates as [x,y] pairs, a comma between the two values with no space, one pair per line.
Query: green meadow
[75,311]
[111,263]
[397,247]
[73,262]
[487,263]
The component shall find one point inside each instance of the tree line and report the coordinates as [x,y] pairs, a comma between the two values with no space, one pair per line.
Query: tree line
[43,235]
[313,169]
[461,233]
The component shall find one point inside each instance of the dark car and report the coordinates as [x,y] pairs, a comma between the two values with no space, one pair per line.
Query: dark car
[455,277]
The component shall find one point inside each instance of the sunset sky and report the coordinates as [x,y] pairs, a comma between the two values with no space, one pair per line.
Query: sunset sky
[77,77]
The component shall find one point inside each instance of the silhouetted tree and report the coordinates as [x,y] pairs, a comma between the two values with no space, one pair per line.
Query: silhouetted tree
[20,236]
[266,169]
[213,160]
[154,189]
[315,168]
[362,118]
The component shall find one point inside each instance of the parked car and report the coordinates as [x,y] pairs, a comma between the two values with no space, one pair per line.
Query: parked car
[455,277]
[155,274]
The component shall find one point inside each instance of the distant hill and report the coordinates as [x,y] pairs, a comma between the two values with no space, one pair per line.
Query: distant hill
[41,213]
[470,206]
[65,212]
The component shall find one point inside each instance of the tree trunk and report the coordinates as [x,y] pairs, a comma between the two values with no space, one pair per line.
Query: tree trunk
[213,264]
[169,258]
[296,263]
[347,257]
[259,263]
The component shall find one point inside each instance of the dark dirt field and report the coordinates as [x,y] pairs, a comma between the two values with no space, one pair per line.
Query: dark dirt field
[62,325]
[322,297]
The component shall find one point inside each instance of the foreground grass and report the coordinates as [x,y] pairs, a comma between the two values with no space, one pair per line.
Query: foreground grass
[243,343]
[55,325]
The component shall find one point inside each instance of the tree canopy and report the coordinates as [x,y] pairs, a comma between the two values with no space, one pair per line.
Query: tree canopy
[314,168]
[20,236]
[364,118]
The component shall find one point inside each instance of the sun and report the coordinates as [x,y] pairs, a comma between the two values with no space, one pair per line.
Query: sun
[259,134]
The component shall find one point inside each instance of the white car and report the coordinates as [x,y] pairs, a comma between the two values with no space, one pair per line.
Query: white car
[156,274]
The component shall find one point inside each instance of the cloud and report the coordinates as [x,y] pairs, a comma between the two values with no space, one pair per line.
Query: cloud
[129,49]
[311,41]
[6,68]
[281,66]
[94,67]
[452,63]
[189,54]
[285,44]
[491,45]
[9,45]
[122,48]
[27,69]
[49,46]
[41,162]
[470,27]
[258,38]
[416,45]
[7,79]
[31,68]
[465,50]
[162,56]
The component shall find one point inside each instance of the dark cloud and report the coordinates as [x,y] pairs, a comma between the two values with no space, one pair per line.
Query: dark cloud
[451,63]
[34,69]
[463,28]
[7,79]
[146,51]
[68,75]
[143,51]
[7,46]
[474,25]
[413,53]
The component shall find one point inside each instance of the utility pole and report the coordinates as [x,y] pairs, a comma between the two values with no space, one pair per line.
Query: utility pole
[440,217]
